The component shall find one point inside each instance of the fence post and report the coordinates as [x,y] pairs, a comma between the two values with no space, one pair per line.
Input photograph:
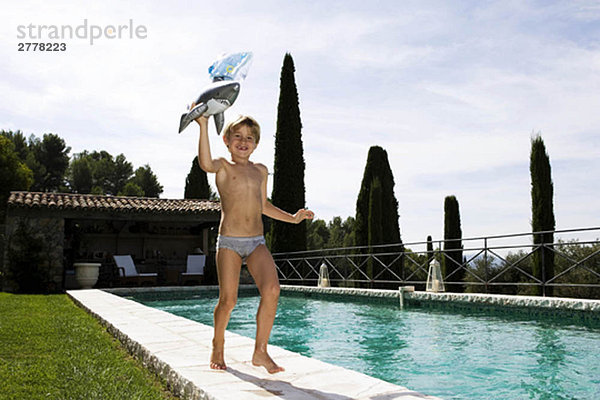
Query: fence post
[485,263]
[543,249]
[442,260]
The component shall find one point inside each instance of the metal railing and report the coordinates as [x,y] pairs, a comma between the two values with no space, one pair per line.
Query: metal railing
[569,265]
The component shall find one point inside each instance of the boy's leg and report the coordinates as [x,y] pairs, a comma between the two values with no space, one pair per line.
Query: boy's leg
[262,268]
[229,264]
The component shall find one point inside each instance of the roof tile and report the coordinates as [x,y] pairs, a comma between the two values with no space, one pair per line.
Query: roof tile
[71,201]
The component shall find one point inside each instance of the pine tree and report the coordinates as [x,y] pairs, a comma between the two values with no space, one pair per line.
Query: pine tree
[288,181]
[49,159]
[317,234]
[131,189]
[341,233]
[20,143]
[378,167]
[80,175]
[453,254]
[196,183]
[145,179]
[14,174]
[122,173]
[100,173]
[542,210]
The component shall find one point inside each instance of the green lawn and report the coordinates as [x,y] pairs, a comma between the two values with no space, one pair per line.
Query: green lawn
[52,349]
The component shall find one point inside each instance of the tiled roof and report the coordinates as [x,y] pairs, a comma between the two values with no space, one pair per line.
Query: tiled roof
[88,202]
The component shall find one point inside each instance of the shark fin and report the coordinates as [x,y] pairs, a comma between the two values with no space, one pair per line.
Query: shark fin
[219,122]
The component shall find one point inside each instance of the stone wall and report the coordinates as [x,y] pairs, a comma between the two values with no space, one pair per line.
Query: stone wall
[44,234]
[528,305]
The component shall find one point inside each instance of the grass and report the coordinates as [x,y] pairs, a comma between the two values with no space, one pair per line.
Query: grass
[52,349]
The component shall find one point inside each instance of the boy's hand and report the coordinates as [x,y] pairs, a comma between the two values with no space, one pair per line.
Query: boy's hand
[303,214]
[200,120]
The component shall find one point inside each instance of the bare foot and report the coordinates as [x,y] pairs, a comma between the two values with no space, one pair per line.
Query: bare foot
[217,359]
[262,359]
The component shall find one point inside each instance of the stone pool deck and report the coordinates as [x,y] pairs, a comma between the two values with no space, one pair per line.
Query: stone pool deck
[178,349]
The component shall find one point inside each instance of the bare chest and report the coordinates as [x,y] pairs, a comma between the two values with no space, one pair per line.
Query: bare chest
[239,180]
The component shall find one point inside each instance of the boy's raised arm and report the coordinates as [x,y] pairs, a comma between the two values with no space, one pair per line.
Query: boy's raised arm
[204,157]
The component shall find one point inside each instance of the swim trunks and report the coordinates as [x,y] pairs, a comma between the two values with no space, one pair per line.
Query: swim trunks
[243,246]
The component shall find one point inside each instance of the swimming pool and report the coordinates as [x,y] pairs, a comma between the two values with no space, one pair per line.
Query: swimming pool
[451,354]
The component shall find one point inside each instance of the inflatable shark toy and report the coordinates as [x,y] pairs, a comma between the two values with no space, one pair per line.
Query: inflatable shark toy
[226,72]
[214,100]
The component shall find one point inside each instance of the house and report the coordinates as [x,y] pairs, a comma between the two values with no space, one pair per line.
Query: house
[158,233]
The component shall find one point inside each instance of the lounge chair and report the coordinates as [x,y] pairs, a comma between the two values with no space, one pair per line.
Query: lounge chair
[128,272]
[194,269]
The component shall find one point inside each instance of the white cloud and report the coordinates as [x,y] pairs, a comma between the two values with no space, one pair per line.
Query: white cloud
[451,91]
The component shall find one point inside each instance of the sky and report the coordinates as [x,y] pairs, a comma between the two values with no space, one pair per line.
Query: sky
[453,91]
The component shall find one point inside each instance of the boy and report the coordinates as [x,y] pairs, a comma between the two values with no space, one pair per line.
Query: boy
[242,186]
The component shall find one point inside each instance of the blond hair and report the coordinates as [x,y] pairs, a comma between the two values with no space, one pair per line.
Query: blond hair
[243,120]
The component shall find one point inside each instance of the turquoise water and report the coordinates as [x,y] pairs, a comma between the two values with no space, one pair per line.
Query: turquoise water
[454,355]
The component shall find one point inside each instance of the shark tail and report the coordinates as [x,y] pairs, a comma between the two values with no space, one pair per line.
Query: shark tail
[194,113]
[184,122]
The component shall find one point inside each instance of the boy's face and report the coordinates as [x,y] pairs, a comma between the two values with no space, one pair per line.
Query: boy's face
[241,142]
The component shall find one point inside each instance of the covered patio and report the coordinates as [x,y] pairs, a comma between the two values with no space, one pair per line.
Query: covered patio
[159,234]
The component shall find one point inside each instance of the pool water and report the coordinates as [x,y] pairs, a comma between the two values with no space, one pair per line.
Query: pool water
[450,354]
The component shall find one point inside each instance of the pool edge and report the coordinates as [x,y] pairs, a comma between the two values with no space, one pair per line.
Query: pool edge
[544,305]
[113,312]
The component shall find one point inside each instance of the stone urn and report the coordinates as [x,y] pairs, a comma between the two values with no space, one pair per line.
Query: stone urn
[86,274]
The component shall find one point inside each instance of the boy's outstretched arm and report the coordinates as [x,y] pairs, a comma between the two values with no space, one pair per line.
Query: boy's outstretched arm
[277,213]
[204,157]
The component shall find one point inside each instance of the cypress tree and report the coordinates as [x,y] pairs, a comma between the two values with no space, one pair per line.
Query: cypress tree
[429,249]
[288,180]
[453,255]
[542,210]
[196,183]
[378,167]
[375,231]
